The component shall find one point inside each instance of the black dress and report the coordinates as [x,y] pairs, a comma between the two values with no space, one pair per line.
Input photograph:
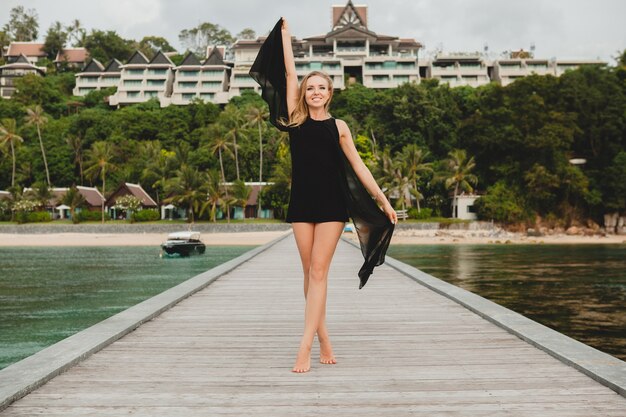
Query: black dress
[372,226]
[316,194]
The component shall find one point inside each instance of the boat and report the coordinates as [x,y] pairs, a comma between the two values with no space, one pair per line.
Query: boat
[183,244]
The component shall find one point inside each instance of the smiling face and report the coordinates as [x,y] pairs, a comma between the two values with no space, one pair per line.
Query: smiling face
[317,92]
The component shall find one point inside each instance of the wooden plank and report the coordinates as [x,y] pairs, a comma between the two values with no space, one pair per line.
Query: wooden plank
[402,350]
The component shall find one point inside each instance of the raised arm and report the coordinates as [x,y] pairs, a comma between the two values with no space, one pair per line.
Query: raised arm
[290,67]
[364,174]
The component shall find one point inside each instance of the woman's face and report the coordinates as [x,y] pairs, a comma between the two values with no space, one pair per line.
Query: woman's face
[317,92]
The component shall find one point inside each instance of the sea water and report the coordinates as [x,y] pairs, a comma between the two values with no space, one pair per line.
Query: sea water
[48,294]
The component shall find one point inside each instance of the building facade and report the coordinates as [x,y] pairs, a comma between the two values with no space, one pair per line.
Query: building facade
[349,53]
[96,76]
[16,69]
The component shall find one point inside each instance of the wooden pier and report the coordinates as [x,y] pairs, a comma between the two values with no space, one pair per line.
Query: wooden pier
[402,350]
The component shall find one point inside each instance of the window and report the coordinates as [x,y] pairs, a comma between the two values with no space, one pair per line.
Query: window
[471,209]
[187,84]
[151,94]
[132,83]
[212,73]
[134,71]
[188,96]
[87,80]
[207,96]
[157,71]
[242,77]
[330,66]
[315,66]
[389,64]
[189,73]
[400,79]
[132,94]
[302,67]
[211,84]
[474,65]
[381,78]
[156,83]
[374,65]
[470,78]
[406,65]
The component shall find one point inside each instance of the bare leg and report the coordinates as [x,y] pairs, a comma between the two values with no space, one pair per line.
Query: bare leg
[304,240]
[325,237]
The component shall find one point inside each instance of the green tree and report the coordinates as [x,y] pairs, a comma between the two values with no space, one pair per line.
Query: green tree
[41,194]
[188,188]
[197,39]
[150,45]
[241,193]
[413,158]
[74,199]
[76,34]
[108,45]
[8,135]
[257,115]
[458,176]
[23,25]
[233,119]
[76,145]
[246,33]
[215,196]
[35,116]
[100,162]
[55,40]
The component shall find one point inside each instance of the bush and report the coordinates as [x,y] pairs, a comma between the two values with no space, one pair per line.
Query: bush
[88,215]
[32,217]
[146,216]
[423,214]
[502,204]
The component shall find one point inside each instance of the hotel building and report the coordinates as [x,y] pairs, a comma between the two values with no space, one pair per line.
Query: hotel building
[349,53]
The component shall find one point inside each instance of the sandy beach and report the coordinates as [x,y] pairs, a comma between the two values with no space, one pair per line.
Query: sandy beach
[402,237]
[130,239]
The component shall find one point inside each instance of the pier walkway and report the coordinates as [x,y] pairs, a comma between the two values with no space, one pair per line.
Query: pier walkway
[402,350]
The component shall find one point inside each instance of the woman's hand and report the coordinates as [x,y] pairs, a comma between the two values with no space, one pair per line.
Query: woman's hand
[285,26]
[390,213]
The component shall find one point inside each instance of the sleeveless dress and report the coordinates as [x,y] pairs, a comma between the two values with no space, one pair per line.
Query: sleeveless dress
[316,193]
[311,165]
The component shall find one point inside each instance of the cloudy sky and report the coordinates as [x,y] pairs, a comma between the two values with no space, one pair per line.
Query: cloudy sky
[566,29]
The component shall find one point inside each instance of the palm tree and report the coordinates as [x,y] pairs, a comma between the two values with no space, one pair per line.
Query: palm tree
[76,143]
[413,157]
[241,193]
[41,194]
[458,174]
[214,195]
[157,166]
[258,115]
[188,188]
[74,199]
[234,122]
[35,116]
[8,134]
[99,161]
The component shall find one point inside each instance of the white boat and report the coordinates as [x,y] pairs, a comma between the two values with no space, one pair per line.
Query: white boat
[183,244]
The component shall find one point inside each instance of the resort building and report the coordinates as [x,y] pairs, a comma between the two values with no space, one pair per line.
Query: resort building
[128,189]
[207,81]
[32,51]
[349,53]
[72,57]
[14,70]
[142,80]
[57,210]
[95,76]
[465,209]
[459,69]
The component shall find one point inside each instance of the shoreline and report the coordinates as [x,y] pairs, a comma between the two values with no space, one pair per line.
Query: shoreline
[400,237]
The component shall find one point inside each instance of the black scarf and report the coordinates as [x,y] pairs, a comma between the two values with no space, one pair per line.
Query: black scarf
[372,226]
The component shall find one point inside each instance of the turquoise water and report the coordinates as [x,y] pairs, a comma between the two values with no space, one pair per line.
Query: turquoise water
[48,294]
[578,290]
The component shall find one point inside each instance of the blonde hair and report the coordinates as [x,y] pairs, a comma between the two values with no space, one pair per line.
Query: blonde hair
[301,112]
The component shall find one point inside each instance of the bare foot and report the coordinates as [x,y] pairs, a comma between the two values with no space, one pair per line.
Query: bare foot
[303,361]
[326,354]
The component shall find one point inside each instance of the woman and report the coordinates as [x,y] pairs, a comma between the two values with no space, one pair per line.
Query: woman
[318,208]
